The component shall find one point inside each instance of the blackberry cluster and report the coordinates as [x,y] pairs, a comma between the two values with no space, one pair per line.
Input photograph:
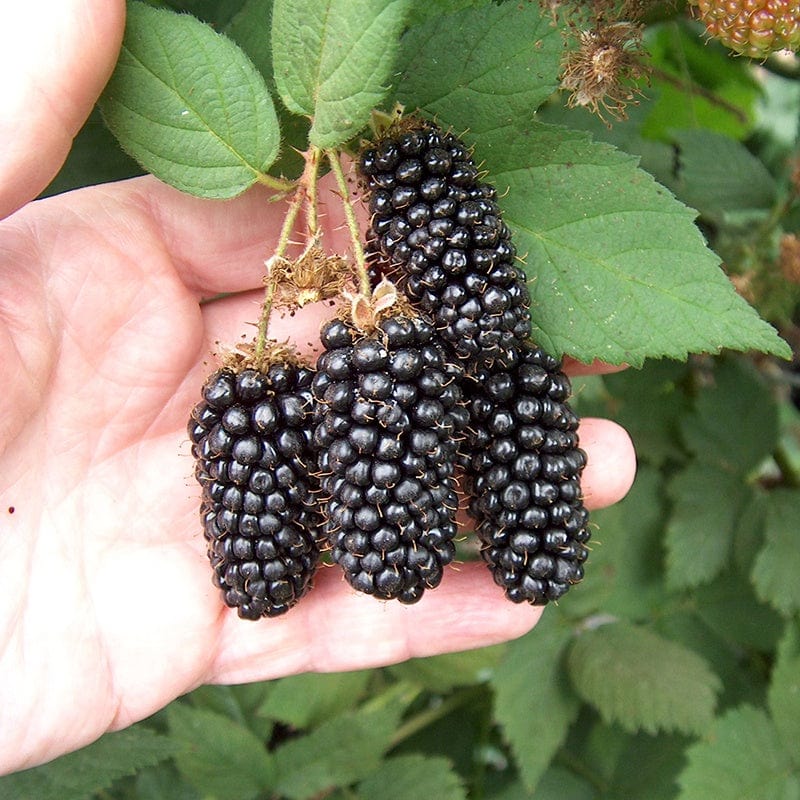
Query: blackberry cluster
[437,230]
[523,475]
[389,416]
[251,442]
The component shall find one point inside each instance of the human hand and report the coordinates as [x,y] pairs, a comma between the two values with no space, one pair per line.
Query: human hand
[110,612]
[55,62]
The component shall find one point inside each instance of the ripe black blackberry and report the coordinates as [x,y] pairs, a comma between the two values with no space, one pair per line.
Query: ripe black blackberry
[438,230]
[389,414]
[251,438]
[523,475]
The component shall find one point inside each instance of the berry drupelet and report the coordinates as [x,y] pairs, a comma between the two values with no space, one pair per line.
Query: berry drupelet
[752,28]
[523,475]
[251,438]
[438,231]
[389,416]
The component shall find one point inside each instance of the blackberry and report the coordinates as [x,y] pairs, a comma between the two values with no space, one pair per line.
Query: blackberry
[389,414]
[753,28]
[523,474]
[251,438]
[437,230]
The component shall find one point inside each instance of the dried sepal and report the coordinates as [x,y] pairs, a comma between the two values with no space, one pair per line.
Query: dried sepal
[310,278]
[245,356]
[600,73]
[366,311]
[381,121]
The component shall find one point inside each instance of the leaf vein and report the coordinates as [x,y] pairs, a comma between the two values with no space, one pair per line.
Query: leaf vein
[208,127]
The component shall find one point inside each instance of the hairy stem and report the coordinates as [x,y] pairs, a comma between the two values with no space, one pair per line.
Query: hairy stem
[310,175]
[270,281]
[305,193]
[352,223]
[278,184]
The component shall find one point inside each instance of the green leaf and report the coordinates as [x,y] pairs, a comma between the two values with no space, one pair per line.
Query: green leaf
[445,672]
[618,269]
[560,784]
[534,703]
[649,403]
[741,759]
[306,700]
[189,106]
[249,28]
[706,503]
[702,86]
[425,13]
[219,699]
[735,421]
[658,759]
[626,766]
[333,61]
[784,689]
[717,174]
[778,564]
[341,750]
[410,777]
[215,12]
[481,68]
[557,783]
[741,681]
[218,756]
[642,681]
[597,746]
[730,608]
[79,775]
[750,532]
[624,574]
[656,157]
[164,782]
[456,726]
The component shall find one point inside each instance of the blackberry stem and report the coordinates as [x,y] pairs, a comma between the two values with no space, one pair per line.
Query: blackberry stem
[305,192]
[310,175]
[352,223]
[279,184]
[788,465]
[271,280]
[574,763]
[421,720]
[685,84]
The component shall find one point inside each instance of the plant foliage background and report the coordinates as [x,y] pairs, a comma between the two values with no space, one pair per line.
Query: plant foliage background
[673,670]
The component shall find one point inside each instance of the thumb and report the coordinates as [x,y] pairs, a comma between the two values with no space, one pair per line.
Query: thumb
[56,58]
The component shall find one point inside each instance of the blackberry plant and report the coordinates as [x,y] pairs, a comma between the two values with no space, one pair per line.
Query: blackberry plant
[691,599]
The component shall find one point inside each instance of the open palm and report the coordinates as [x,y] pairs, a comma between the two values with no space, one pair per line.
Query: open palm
[108,608]
[110,612]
